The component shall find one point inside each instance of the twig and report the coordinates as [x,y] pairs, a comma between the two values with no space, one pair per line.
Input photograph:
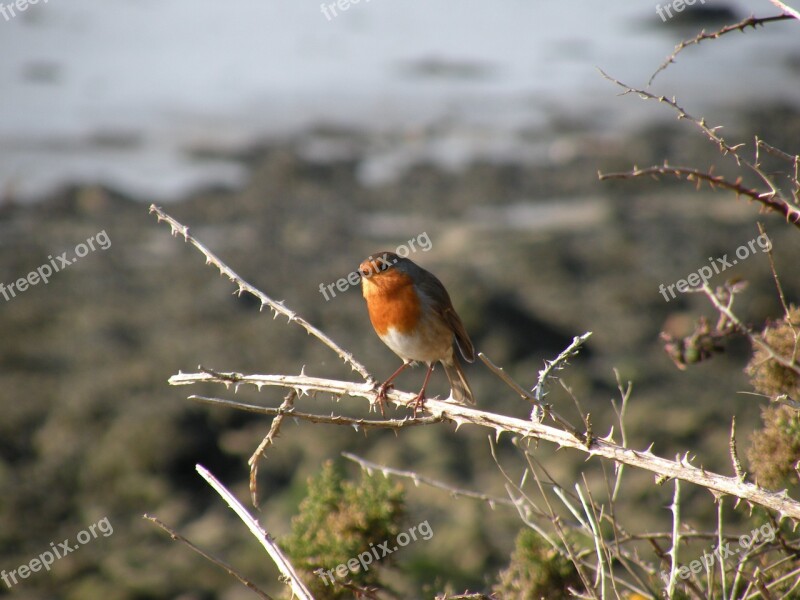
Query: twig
[710,132]
[268,440]
[792,364]
[737,465]
[178,537]
[461,414]
[506,378]
[775,277]
[792,159]
[524,500]
[772,199]
[324,419]
[539,390]
[793,12]
[751,21]
[625,395]
[540,409]
[434,483]
[276,306]
[299,589]
[767,199]
[676,539]
[603,560]
[722,574]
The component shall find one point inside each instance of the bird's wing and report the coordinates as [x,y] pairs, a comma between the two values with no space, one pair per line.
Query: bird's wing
[431,287]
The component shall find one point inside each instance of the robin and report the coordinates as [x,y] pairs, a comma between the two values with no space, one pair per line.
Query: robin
[413,315]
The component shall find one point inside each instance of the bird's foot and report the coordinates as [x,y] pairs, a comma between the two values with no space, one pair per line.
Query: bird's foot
[381,395]
[419,404]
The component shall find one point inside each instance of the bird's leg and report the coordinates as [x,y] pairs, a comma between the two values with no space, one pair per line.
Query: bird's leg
[387,385]
[419,402]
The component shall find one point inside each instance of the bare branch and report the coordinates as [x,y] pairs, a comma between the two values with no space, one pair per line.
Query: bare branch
[775,277]
[540,409]
[242,286]
[331,419]
[758,340]
[751,21]
[767,199]
[268,440]
[776,200]
[178,537]
[559,363]
[299,588]
[793,12]
[460,414]
[369,466]
[737,465]
[676,539]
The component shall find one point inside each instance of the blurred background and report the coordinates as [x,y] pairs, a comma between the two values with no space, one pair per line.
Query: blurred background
[295,140]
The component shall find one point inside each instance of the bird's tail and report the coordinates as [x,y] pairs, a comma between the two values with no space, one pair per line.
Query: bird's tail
[459,386]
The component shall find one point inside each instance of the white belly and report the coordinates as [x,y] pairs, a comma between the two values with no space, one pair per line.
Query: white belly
[418,347]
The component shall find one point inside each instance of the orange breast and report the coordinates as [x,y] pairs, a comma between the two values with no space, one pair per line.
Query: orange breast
[391,301]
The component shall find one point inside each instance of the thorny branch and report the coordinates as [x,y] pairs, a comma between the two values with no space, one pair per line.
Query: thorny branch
[771,199]
[179,538]
[459,414]
[588,512]
[604,447]
[269,439]
[331,419]
[277,307]
[724,308]
[369,467]
[296,584]
[751,21]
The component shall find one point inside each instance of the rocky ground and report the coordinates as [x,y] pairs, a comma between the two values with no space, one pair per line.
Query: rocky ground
[532,254]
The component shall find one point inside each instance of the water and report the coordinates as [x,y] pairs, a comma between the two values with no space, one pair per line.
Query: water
[151,97]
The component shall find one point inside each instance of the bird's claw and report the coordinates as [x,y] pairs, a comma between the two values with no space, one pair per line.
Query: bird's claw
[381,395]
[419,404]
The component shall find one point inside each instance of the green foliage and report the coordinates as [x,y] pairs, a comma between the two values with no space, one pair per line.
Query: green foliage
[337,521]
[768,376]
[775,448]
[536,571]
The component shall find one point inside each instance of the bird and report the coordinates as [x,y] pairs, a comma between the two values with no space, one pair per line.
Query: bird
[412,313]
